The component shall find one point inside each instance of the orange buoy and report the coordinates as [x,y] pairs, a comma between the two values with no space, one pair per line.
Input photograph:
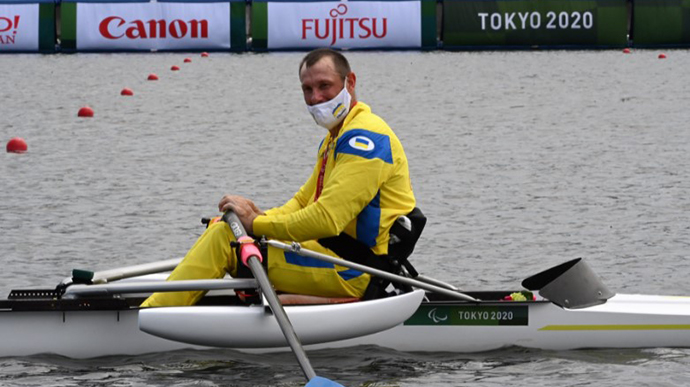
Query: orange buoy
[126,91]
[175,68]
[153,77]
[187,60]
[85,112]
[16,145]
[662,56]
[204,54]
[626,51]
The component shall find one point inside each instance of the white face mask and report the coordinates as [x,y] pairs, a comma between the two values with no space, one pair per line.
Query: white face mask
[331,113]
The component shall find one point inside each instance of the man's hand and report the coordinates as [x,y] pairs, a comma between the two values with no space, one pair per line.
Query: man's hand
[244,208]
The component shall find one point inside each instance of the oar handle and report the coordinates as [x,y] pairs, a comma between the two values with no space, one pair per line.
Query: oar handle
[251,256]
[247,246]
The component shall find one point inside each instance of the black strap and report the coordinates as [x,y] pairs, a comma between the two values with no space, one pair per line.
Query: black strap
[355,251]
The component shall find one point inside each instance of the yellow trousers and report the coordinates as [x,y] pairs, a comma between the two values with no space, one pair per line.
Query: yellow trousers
[212,257]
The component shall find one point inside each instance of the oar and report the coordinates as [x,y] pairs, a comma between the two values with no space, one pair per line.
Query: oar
[297,248]
[157,286]
[110,275]
[250,256]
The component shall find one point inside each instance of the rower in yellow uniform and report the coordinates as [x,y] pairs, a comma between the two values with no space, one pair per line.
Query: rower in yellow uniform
[359,186]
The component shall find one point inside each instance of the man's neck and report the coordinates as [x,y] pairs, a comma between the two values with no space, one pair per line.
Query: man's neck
[334,132]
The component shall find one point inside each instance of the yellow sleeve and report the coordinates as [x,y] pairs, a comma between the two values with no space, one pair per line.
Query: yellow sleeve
[353,184]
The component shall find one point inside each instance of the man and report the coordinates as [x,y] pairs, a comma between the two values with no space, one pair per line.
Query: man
[359,187]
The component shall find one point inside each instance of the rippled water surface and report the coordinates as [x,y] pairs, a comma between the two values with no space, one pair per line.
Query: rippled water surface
[521,160]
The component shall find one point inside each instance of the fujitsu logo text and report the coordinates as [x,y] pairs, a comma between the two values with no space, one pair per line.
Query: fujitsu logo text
[115,27]
[339,26]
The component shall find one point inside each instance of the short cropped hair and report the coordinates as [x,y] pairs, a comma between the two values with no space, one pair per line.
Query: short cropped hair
[342,66]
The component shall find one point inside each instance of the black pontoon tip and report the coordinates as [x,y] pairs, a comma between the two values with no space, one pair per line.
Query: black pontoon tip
[571,285]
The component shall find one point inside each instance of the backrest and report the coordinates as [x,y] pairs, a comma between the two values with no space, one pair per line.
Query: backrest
[405,233]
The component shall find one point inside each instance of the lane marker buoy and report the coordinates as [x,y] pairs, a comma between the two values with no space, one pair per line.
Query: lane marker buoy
[662,56]
[86,111]
[126,91]
[187,60]
[153,77]
[626,51]
[175,68]
[16,145]
[204,54]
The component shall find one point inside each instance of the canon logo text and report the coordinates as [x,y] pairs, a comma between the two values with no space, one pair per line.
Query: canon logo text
[115,27]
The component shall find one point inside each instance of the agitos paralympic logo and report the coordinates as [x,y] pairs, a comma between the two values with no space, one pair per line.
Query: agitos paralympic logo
[339,26]
[115,27]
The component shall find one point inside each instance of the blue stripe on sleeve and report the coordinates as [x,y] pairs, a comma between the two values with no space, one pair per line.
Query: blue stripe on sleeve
[368,222]
[367,144]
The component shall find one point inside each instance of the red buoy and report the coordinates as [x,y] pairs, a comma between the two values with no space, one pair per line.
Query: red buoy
[626,51]
[85,112]
[175,68]
[126,91]
[16,145]
[662,56]
[187,60]
[204,54]
[153,77]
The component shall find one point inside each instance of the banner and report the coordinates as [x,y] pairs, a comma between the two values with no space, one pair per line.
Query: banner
[27,27]
[151,26]
[661,22]
[353,24]
[529,23]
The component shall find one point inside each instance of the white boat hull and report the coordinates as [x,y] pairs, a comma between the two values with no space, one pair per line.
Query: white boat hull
[624,321]
[77,334]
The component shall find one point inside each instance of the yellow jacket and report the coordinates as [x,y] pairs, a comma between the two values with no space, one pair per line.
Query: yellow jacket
[366,186]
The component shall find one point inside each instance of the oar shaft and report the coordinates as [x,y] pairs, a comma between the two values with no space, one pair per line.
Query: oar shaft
[135,271]
[254,263]
[296,248]
[434,281]
[158,286]
[281,316]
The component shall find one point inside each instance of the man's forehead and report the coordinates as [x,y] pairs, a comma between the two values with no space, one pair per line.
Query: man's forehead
[323,65]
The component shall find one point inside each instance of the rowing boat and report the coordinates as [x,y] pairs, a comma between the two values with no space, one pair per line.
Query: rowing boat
[570,309]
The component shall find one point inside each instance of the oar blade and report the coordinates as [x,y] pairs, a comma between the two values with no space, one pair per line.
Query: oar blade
[318,381]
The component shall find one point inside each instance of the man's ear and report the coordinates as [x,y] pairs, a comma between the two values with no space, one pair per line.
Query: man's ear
[351,83]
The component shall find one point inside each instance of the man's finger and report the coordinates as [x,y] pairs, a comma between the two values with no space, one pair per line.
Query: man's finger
[227,199]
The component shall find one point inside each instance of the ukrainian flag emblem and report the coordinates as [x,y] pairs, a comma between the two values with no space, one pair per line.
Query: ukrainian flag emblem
[338,110]
[361,143]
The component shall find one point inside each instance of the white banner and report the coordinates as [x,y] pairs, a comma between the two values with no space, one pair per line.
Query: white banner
[18,27]
[359,24]
[146,26]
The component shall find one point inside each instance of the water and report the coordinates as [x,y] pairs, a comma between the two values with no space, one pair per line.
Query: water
[521,161]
